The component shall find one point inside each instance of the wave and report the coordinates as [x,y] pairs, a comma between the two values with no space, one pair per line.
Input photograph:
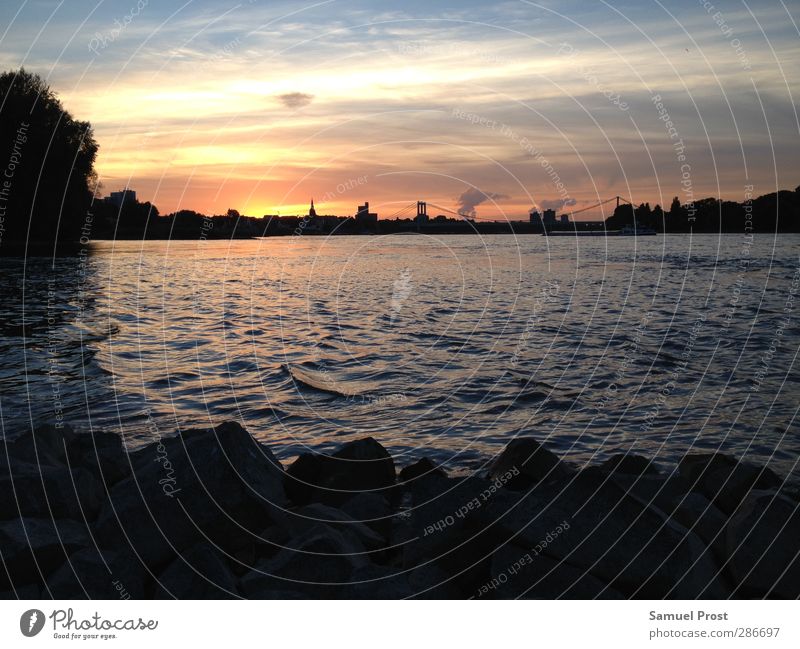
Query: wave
[321,381]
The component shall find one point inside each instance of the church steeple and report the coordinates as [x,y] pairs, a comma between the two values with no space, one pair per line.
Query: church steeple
[312,212]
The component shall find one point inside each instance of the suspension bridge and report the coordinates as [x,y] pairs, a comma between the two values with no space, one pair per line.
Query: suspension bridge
[419,211]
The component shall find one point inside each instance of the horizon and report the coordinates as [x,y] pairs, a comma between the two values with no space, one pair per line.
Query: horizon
[393,204]
[486,110]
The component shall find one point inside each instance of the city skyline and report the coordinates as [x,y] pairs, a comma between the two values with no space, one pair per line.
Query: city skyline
[492,109]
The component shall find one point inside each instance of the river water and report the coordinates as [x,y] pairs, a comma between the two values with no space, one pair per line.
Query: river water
[442,346]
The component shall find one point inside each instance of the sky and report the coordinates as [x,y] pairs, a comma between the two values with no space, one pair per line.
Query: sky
[487,108]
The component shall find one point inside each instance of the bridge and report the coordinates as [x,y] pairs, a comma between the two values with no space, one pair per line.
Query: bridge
[419,211]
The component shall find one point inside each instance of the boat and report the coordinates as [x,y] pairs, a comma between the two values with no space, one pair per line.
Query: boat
[627,231]
[581,233]
[636,231]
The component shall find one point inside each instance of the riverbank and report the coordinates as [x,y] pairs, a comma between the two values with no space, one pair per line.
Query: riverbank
[212,514]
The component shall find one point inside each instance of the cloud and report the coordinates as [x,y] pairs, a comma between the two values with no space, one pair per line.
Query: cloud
[557,203]
[471,198]
[295,100]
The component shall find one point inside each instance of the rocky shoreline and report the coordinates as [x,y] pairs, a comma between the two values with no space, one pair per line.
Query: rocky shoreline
[211,513]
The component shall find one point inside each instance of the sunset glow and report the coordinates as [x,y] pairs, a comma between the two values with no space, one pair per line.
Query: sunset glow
[260,106]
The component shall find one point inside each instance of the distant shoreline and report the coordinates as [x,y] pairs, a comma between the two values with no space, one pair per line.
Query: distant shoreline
[41,245]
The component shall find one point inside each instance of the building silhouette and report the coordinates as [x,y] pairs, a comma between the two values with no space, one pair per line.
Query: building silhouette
[121,197]
[365,217]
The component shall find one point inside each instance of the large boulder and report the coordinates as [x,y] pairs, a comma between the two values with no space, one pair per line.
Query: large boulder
[359,466]
[215,484]
[725,480]
[29,591]
[301,520]
[47,444]
[664,492]
[103,454]
[319,564]
[519,574]
[372,510]
[524,462]
[698,514]
[52,471]
[302,476]
[447,530]
[763,545]
[596,526]
[441,511]
[45,491]
[629,464]
[33,547]
[201,572]
[384,582]
[90,574]
[673,496]
[421,468]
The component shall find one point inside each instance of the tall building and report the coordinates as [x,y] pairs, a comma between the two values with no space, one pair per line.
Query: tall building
[311,211]
[364,216]
[549,217]
[121,197]
[536,218]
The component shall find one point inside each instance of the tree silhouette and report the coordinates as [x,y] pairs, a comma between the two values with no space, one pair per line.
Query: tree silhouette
[47,176]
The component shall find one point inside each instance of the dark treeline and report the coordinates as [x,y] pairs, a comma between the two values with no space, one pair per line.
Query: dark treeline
[775,212]
[47,176]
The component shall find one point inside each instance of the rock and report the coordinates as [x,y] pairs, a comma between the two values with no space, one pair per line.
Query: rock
[763,544]
[523,462]
[440,510]
[93,575]
[672,496]
[301,477]
[518,574]
[379,582]
[319,564]
[724,480]
[362,465]
[33,547]
[632,547]
[301,520]
[419,469]
[201,572]
[215,485]
[448,532]
[45,491]
[663,492]
[372,510]
[359,466]
[629,465]
[103,454]
[699,515]
[46,444]
[29,591]
[430,582]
